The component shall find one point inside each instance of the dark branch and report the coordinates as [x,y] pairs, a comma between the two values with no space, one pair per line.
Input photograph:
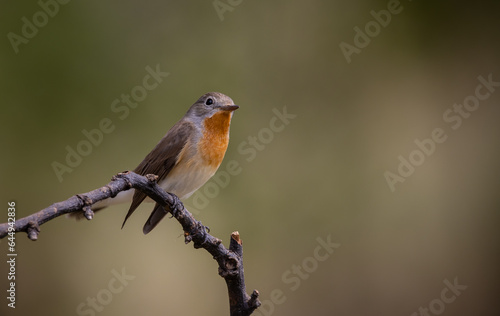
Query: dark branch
[230,260]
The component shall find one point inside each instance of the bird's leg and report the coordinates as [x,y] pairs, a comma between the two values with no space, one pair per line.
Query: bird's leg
[176,205]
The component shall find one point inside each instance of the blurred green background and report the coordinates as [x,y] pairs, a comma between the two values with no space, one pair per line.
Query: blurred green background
[321,176]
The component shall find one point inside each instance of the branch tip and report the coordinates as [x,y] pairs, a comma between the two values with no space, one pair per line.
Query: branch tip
[254,301]
[236,236]
[187,238]
[33,230]
[88,213]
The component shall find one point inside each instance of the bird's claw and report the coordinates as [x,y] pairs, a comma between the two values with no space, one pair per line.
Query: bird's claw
[176,205]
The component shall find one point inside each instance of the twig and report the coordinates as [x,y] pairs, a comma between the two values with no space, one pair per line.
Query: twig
[230,260]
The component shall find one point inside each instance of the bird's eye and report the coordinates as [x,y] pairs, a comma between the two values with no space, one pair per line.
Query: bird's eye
[209,101]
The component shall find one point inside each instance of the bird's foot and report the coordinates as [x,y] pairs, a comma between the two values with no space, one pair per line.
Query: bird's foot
[176,205]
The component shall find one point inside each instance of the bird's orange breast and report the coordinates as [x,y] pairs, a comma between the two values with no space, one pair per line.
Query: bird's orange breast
[215,138]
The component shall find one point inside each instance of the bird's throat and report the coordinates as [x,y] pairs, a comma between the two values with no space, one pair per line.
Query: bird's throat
[215,138]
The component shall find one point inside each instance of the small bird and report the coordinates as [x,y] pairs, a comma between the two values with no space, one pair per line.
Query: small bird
[186,157]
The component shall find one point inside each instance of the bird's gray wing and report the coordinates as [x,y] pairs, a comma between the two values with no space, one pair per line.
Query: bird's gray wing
[162,159]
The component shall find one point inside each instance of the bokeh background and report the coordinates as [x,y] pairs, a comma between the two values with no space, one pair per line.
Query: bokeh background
[322,176]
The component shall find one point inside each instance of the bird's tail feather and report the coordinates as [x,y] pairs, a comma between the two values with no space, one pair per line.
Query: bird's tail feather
[156,216]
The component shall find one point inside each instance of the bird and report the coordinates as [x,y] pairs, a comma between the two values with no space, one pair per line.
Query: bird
[186,157]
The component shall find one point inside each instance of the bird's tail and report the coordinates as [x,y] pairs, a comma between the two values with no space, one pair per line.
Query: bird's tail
[156,216]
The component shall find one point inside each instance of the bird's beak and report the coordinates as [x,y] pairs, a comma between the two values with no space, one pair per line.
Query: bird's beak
[229,108]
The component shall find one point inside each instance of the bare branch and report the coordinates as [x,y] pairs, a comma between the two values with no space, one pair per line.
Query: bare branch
[230,260]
